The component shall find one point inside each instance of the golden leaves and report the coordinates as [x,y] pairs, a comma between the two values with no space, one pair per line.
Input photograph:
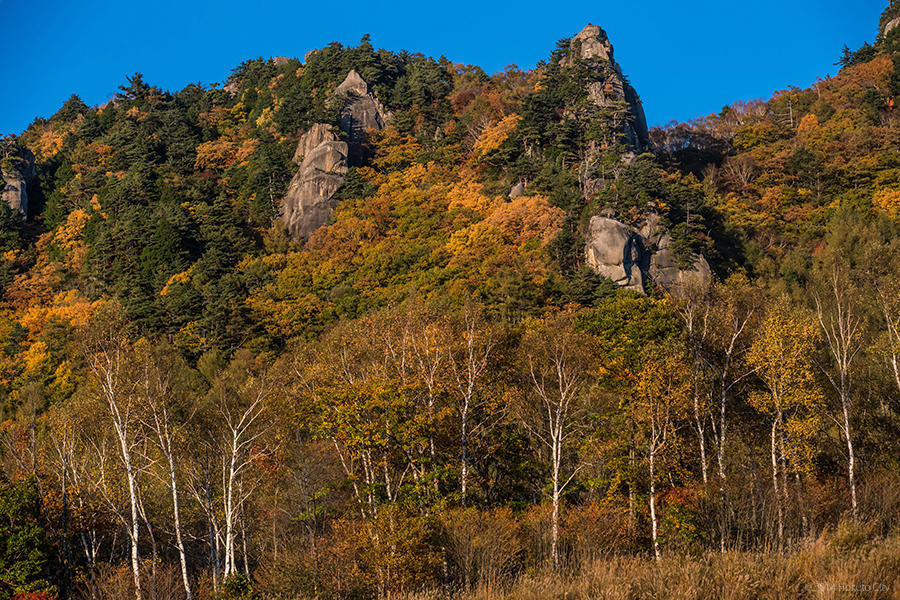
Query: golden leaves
[177,278]
[494,136]
[222,153]
[887,201]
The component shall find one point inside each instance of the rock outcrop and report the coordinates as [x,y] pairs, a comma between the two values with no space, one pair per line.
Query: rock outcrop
[593,44]
[615,251]
[323,163]
[323,158]
[362,111]
[16,172]
[630,257]
[890,26]
[316,135]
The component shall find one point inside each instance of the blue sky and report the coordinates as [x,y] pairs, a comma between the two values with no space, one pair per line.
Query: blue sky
[686,59]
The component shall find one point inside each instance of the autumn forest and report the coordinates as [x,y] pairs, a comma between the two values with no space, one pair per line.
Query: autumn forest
[373,325]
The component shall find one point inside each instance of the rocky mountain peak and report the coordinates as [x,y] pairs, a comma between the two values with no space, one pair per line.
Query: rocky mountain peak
[592,43]
[890,19]
[353,85]
[362,111]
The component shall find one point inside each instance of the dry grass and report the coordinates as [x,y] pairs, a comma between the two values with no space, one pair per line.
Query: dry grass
[849,563]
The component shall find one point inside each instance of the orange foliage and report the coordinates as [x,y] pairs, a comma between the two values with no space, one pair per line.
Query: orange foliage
[494,136]
[222,153]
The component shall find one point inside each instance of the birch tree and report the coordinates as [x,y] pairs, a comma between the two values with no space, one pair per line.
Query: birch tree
[106,349]
[468,361]
[842,325]
[240,398]
[662,390]
[695,310]
[157,369]
[888,299]
[557,361]
[781,356]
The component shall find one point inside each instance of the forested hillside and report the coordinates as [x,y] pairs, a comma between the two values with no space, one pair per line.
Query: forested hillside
[371,324]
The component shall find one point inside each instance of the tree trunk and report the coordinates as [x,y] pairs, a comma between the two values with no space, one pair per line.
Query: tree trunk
[464,467]
[179,542]
[554,523]
[778,506]
[229,513]
[851,458]
[701,436]
[698,421]
[653,522]
[135,524]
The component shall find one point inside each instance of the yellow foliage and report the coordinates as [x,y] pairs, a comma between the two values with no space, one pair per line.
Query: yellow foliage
[888,202]
[509,229]
[394,150]
[780,355]
[494,136]
[222,153]
[467,195]
[808,123]
[177,278]
[528,218]
[70,307]
[33,356]
[49,143]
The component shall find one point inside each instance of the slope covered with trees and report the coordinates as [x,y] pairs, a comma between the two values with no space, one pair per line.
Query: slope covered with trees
[436,393]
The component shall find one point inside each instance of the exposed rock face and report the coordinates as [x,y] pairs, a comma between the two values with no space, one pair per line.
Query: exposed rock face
[323,161]
[309,199]
[890,25]
[318,134]
[16,173]
[629,257]
[592,43]
[665,271]
[362,111]
[615,252]
[517,190]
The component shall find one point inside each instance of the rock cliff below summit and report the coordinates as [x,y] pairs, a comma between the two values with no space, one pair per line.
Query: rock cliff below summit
[323,158]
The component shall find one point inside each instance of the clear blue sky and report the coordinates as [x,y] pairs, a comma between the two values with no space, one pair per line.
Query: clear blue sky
[686,59]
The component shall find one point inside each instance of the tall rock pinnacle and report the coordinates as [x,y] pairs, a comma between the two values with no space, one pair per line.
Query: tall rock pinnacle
[592,44]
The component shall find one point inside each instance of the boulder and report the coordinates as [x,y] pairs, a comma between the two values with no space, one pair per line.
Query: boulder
[309,202]
[665,271]
[15,191]
[615,252]
[517,190]
[362,111]
[630,257]
[328,157]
